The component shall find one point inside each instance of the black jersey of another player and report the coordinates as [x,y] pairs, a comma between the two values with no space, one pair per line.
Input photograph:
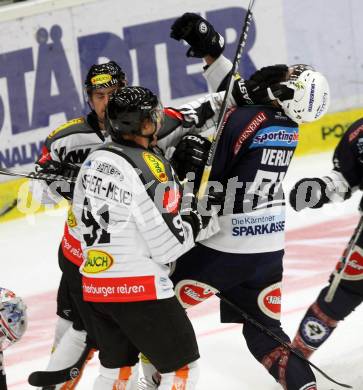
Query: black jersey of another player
[348,155]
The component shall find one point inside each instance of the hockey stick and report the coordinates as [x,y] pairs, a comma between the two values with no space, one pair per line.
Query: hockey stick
[267,331]
[344,260]
[221,122]
[51,177]
[51,378]
[254,322]
[7,208]
[3,385]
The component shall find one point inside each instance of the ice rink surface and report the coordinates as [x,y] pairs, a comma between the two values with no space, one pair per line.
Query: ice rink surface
[315,240]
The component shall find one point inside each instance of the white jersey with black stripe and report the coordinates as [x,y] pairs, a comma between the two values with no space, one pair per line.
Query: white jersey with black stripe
[126,241]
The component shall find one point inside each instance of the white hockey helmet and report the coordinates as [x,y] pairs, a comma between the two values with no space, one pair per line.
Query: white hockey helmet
[13,318]
[311,94]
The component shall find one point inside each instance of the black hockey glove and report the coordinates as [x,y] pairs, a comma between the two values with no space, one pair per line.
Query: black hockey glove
[263,86]
[189,213]
[309,192]
[64,169]
[199,34]
[190,155]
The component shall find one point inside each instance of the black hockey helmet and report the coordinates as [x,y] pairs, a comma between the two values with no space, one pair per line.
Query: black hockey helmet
[128,107]
[104,76]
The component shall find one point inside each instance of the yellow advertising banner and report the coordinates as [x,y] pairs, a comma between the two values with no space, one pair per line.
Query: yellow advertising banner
[324,134]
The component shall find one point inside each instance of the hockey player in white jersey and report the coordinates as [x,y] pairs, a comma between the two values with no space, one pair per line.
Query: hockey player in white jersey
[64,150]
[127,204]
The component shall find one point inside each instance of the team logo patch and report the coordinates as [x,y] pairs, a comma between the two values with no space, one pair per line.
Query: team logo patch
[249,130]
[105,168]
[101,79]
[354,269]
[314,331]
[65,126]
[191,292]
[71,219]
[276,136]
[269,301]
[156,166]
[171,201]
[97,261]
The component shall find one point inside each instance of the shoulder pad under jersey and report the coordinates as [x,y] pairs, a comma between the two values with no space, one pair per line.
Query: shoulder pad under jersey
[77,125]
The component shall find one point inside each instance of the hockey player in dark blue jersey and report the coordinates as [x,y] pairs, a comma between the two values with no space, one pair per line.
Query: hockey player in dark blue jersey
[345,289]
[244,260]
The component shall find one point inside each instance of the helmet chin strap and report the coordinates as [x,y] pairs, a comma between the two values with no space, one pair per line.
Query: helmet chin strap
[150,137]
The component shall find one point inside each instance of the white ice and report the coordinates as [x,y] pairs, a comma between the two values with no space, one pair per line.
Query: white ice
[29,267]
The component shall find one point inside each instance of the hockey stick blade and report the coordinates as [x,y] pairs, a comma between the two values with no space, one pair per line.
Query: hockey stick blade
[50,378]
[278,339]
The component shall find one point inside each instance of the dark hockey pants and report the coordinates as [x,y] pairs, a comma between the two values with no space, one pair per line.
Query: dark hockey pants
[322,317]
[251,281]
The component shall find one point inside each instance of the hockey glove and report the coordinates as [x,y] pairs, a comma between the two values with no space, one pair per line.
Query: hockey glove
[263,86]
[309,192]
[189,213]
[190,155]
[65,169]
[199,34]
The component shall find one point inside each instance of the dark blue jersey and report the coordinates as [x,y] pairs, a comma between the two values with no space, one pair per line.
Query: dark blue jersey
[348,155]
[251,160]
[256,147]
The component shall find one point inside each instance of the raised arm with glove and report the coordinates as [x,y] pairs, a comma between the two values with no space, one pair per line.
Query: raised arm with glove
[199,34]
